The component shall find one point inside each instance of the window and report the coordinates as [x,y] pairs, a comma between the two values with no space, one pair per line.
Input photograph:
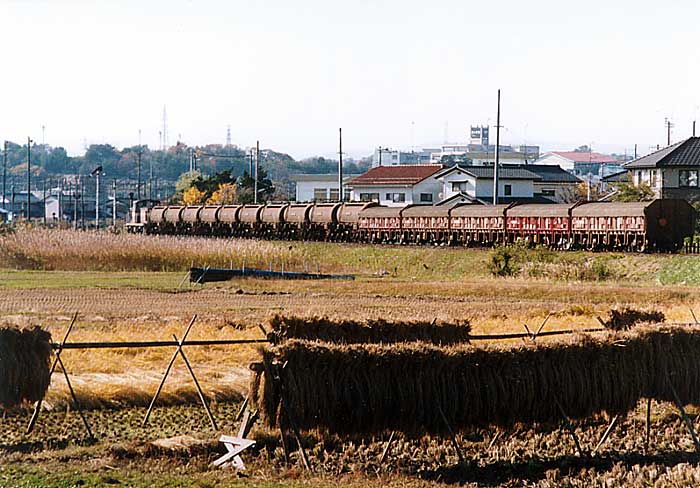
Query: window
[548,193]
[688,177]
[369,197]
[334,194]
[459,186]
[507,190]
[320,194]
[426,197]
[396,197]
[347,193]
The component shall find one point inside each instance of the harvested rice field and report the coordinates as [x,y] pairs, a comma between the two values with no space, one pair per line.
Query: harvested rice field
[148,301]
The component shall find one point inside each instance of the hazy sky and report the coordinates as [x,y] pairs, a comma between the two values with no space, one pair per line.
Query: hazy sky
[390,73]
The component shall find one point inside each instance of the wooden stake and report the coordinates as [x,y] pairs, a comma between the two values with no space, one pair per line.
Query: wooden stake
[452,435]
[541,326]
[687,421]
[648,425]
[608,431]
[196,384]
[572,431]
[295,430]
[75,398]
[693,314]
[385,452]
[167,372]
[242,409]
[494,439]
[37,407]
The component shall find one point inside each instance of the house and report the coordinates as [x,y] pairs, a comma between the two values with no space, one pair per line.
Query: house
[462,184]
[398,185]
[611,182]
[482,155]
[582,163]
[320,187]
[672,172]
[554,183]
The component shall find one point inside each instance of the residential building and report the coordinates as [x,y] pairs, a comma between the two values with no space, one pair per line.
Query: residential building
[383,156]
[671,172]
[475,183]
[320,187]
[582,163]
[398,185]
[554,183]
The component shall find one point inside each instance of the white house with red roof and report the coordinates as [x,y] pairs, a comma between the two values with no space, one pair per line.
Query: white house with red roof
[398,185]
[582,163]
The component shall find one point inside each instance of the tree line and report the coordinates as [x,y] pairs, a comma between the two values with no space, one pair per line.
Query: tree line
[167,164]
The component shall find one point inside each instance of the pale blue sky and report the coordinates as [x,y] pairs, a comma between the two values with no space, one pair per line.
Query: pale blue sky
[291,72]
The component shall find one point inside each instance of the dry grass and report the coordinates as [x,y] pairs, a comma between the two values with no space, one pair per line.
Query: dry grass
[55,249]
[409,387]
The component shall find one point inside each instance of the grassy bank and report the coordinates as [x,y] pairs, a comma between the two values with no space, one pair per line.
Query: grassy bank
[66,250]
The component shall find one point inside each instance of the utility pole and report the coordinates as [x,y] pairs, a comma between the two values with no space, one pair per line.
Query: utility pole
[250,162]
[150,178]
[498,142]
[340,165]
[138,163]
[257,167]
[29,178]
[82,203]
[44,191]
[635,151]
[380,155]
[693,128]
[97,200]
[668,125]
[4,176]
[114,203]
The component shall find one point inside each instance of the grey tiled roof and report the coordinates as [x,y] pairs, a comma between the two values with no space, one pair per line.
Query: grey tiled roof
[551,173]
[684,153]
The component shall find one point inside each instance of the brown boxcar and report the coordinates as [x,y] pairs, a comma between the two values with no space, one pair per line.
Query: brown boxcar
[477,224]
[655,225]
[546,223]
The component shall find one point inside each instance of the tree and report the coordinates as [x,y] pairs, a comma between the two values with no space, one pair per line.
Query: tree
[246,187]
[627,192]
[193,196]
[225,195]
[184,182]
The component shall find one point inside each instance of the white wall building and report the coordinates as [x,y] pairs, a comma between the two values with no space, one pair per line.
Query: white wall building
[476,183]
[320,187]
[398,185]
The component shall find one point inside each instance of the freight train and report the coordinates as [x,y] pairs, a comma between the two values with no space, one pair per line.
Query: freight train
[659,225]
